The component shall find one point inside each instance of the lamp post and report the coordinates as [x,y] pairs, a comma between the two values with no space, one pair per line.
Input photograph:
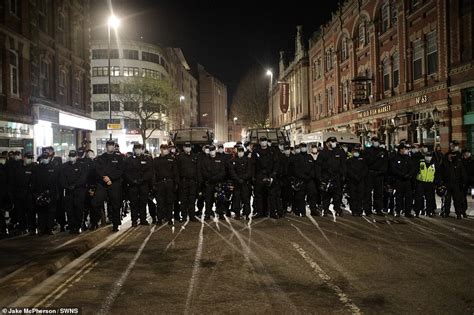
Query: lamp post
[270,74]
[235,133]
[113,22]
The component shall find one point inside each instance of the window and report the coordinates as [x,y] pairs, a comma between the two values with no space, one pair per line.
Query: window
[314,73]
[149,73]
[14,81]
[415,4]
[386,74]
[345,94]
[431,53]
[62,29]
[146,56]
[43,6]
[77,41]
[102,54]
[329,63]
[99,72]
[44,78]
[395,70]
[130,71]
[394,12]
[129,106]
[131,124]
[100,88]
[363,36]
[15,7]
[385,16]
[344,49]
[78,90]
[62,81]
[320,109]
[104,106]
[114,71]
[130,54]
[417,59]
[154,124]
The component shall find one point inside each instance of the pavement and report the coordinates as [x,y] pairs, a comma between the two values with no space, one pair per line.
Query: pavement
[317,265]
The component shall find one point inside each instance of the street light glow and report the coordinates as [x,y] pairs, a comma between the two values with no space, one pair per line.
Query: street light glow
[181,98]
[113,22]
[235,118]
[269,72]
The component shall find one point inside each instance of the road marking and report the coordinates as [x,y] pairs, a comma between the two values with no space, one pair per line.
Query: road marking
[310,217]
[328,281]
[170,244]
[371,222]
[195,272]
[118,285]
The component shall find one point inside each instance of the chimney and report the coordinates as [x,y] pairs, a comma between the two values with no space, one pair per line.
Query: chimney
[299,47]
[281,66]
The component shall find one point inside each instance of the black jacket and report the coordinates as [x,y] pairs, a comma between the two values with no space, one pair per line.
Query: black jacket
[45,178]
[265,162]
[138,170]
[402,168]
[73,176]
[469,167]
[453,173]
[331,164]
[189,167]
[20,184]
[165,167]
[377,160]
[357,170]
[302,166]
[213,169]
[241,169]
[110,165]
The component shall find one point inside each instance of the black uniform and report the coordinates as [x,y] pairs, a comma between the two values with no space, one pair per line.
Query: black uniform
[401,167]
[73,181]
[331,168]
[213,174]
[285,183]
[455,178]
[189,181]
[377,162]
[266,165]
[88,165]
[241,172]
[20,185]
[13,168]
[44,182]
[111,165]
[3,198]
[302,171]
[468,164]
[138,173]
[357,171]
[166,180]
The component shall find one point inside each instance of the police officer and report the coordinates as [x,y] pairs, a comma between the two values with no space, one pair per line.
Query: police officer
[377,162]
[241,172]
[266,173]
[331,169]
[213,174]
[302,174]
[166,181]
[201,190]
[56,162]
[468,164]
[455,178]
[3,195]
[73,181]
[189,180]
[109,169]
[44,182]
[314,195]
[87,161]
[138,173]
[357,171]
[402,170]
[426,180]
[286,190]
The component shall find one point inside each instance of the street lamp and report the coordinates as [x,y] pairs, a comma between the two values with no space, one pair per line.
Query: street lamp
[270,74]
[235,133]
[112,22]
[181,100]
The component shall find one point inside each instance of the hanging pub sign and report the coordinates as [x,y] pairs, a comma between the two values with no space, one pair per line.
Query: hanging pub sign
[360,90]
[284,96]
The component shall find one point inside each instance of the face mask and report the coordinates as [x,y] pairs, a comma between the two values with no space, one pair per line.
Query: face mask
[406,152]
[467,155]
[187,149]
[376,144]
[415,150]
[173,151]
[212,153]
[382,146]
[314,150]
[90,155]
[287,152]
[221,151]
[3,161]
[424,150]
[165,152]
[333,145]
[456,149]
[240,154]
[110,149]
[356,154]
[428,159]
[28,161]
[73,159]
[345,149]
[138,152]
[16,157]
[206,151]
[45,161]
[304,150]
[280,147]
[297,151]
[263,144]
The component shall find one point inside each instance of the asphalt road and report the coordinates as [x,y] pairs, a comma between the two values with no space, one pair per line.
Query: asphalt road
[292,265]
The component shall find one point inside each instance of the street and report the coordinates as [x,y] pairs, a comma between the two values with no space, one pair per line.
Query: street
[292,265]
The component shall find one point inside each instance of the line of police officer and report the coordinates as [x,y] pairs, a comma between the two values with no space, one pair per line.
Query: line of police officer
[281,178]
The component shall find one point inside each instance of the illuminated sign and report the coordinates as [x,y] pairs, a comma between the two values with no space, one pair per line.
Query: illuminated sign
[375,111]
[76,122]
[421,99]
[15,130]
[114,126]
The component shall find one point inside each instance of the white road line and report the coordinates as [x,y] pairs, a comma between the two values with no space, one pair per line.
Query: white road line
[328,281]
[196,265]
[171,244]
[310,217]
[371,222]
[105,309]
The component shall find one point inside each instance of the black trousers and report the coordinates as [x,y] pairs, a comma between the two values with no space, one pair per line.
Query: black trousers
[265,197]
[425,197]
[210,197]
[300,200]
[138,195]
[313,196]
[241,199]
[187,196]
[61,211]
[152,207]
[455,193]
[113,195]
[403,196]
[22,209]
[201,198]
[357,193]
[287,194]
[74,204]
[335,196]
[166,198]
[374,184]
[46,216]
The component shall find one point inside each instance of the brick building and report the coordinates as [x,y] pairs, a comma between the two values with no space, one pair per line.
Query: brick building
[44,67]
[399,69]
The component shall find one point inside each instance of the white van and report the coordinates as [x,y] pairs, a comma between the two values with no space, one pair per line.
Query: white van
[319,138]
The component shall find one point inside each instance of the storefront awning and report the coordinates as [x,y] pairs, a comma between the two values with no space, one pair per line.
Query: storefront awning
[78,122]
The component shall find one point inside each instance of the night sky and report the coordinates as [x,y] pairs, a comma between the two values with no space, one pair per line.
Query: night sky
[227,37]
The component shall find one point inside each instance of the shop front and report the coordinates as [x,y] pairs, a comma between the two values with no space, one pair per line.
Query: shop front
[63,131]
[468,116]
[16,137]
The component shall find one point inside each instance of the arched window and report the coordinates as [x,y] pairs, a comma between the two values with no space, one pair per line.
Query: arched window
[14,81]
[385,16]
[386,74]
[363,36]
[344,49]
[395,70]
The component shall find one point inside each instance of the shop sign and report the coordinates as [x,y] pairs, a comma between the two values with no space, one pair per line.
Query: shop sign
[48,115]
[114,126]
[421,99]
[374,111]
[15,130]
[133,132]
[284,96]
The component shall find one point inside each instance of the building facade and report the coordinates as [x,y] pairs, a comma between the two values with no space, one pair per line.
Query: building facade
[395,69]
[44,70]
[213,104]
[289,103]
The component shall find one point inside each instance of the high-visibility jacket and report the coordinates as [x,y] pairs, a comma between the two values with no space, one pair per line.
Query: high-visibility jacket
[426,173]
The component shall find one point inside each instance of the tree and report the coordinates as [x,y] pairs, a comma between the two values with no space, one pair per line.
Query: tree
[250,102]
[148,101]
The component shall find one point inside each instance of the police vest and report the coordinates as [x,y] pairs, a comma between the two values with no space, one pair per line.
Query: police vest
[426,174]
